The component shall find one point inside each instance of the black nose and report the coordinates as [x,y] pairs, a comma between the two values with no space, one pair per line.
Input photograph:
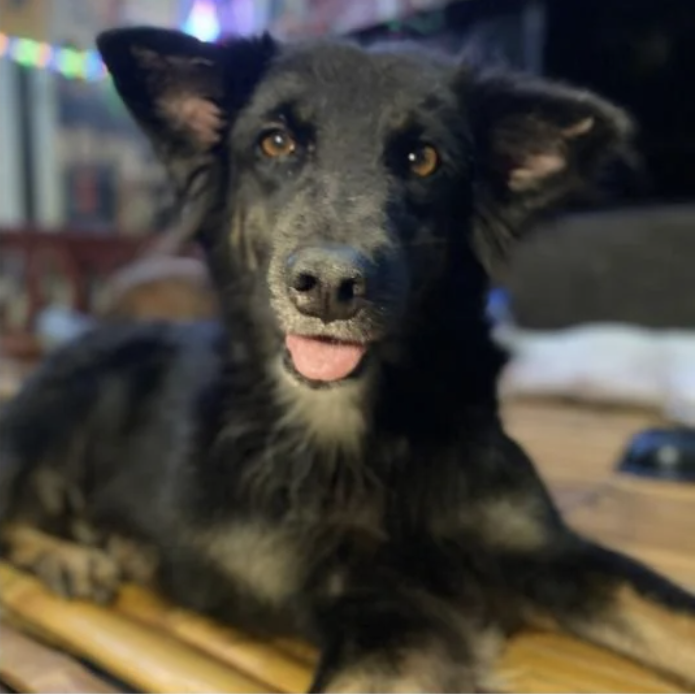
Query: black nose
[328,282]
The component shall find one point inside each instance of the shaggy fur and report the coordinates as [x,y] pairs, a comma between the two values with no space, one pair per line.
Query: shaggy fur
[386,515]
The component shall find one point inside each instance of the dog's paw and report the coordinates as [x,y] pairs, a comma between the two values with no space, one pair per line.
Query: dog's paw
[79,572]
[137,562]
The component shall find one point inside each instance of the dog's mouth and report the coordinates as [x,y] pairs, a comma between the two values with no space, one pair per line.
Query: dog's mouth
[324,360]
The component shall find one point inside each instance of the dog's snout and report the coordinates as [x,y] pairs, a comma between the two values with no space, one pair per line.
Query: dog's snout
[330,283]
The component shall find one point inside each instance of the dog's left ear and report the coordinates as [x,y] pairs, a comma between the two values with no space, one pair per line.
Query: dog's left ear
[535,144]
[183,92]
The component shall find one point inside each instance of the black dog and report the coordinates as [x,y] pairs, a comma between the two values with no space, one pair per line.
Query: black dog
[334,463]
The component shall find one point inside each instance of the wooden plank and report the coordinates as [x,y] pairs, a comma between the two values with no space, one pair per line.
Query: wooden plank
[28,666]
[637,514]
[574,444]
[534,662]
[260,660]
[550,662]
[148,660]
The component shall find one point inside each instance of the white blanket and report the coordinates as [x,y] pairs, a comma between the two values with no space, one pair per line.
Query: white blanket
[604,363]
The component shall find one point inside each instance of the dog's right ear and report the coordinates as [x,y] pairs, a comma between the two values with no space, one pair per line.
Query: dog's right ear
[183,92]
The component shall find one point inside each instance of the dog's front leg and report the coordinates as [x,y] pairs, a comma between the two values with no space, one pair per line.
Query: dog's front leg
[615,602]
[391,639]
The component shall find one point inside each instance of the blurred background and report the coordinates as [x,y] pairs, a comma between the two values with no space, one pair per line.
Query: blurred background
[82,196]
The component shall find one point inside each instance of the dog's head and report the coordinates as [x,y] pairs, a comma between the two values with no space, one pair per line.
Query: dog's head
[352,181]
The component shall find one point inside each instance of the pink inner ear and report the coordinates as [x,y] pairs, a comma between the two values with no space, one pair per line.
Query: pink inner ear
[578,129]
[194,115]
[536,167]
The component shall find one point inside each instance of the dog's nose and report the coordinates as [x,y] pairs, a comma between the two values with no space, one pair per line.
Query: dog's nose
[330,283]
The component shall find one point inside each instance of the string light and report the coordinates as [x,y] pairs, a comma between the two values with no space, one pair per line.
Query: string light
[202,21]
[87,65]
[84,65]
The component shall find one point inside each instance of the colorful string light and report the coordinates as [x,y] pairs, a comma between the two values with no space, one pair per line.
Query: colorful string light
[85,65]
[202,22]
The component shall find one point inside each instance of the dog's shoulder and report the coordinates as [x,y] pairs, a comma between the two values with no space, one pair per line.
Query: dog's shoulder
[122,350]
[109,374]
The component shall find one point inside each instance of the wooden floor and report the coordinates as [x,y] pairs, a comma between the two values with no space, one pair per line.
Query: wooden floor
[153,647]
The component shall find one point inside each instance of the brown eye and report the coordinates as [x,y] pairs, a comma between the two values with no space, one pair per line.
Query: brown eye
[423,160]
[278,143]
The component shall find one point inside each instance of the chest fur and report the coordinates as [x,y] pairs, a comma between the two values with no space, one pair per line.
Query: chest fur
[260,559]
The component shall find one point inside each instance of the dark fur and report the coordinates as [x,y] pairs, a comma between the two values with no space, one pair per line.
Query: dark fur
[409,544]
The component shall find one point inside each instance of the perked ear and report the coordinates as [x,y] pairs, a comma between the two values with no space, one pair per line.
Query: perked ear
[183,92]
[536,143]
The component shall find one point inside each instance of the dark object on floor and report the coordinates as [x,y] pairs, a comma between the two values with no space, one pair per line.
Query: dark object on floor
[667,454]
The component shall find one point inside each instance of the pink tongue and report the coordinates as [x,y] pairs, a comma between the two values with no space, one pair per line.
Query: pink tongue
[321,360]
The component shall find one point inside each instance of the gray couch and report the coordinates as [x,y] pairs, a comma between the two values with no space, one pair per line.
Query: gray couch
[632,266]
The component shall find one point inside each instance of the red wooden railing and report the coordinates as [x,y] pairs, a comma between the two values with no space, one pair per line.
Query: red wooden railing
[78,261]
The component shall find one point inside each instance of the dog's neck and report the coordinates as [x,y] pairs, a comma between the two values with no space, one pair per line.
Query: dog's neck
[338,448]
[336,419]
[438,372]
